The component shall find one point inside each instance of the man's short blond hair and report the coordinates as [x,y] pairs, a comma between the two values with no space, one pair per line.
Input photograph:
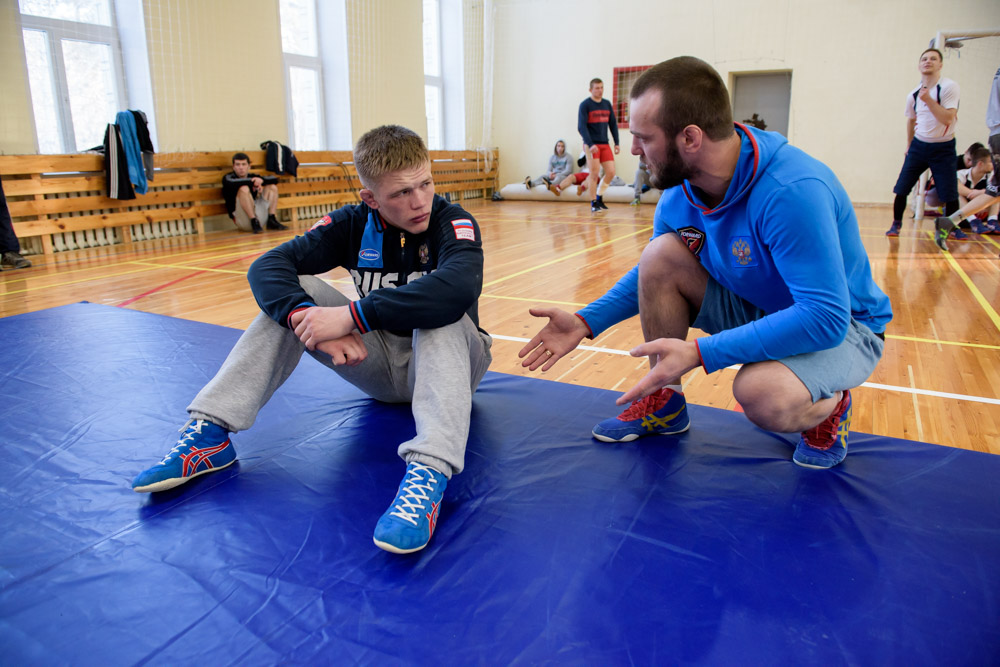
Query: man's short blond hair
[387,149]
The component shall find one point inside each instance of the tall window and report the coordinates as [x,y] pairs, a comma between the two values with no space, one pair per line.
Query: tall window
[303,74]
[433,79]
[74,71]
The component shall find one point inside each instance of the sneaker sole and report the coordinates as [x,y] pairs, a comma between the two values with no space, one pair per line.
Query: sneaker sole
[166,484]
[813,467]
[635,436]
[396,550]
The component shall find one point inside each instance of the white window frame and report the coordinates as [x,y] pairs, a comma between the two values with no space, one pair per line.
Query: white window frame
[437,81]
[314,63]
[450,83]
[57,30]
[311,63]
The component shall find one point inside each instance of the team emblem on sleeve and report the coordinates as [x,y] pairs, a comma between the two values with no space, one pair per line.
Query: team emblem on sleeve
[693,237]
[464,230]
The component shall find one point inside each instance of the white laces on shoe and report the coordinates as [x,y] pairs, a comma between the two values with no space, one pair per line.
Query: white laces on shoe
[189,432]
[414,493]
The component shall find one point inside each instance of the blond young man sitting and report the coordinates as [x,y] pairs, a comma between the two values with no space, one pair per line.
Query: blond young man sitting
[411,336]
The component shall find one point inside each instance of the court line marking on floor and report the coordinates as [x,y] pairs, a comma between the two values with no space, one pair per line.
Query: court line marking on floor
[937,339]
[116,261]
[610,222]
[916,406]
[870,385]
[197,272]
[913,339]
[39,288]
[148,266]
[521,298]
[976,294]
[919,234]
[189,268]
[645,229]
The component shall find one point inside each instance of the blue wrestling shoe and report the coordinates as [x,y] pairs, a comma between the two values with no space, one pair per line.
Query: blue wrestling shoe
[409,522]
[662,413]
[980,227]
[203,447]
[825,445]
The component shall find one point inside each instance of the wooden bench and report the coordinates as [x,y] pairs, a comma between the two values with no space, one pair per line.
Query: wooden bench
[59,201]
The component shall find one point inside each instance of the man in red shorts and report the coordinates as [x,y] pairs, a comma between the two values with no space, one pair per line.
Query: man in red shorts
[580,179]
[595,117]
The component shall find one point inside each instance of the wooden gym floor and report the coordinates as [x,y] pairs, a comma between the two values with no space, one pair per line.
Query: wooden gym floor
[938,382]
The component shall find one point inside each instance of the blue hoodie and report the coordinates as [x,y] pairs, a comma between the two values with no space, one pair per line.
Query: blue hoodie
[784,238]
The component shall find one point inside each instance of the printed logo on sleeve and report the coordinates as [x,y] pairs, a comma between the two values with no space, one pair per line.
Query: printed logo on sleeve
[743,254]
[693,237]
[464,230]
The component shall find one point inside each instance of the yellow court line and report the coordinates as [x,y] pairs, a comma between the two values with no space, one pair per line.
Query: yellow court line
[125,262]
[104,276]
[990,240]
[209,258]
[72,282]
[520,298]
[565,257]
[874,235]
[915,339]
[944,342]
[972,287]
[189,268]
[603,221]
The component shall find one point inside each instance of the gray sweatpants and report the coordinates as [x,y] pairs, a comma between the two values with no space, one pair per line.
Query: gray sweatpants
[436,370]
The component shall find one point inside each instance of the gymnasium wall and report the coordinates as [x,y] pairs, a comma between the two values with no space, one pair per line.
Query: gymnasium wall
[852,63]
[17,125]
[385,47]
[218,73]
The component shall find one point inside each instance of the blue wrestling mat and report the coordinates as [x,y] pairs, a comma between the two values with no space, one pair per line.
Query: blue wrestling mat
[710,548]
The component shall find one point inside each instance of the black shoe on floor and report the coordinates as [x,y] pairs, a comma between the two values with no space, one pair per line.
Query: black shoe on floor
[255,226]
[272,223]
[14,260]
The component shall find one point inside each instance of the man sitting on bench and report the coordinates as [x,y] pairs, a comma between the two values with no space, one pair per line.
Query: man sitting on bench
[249,197]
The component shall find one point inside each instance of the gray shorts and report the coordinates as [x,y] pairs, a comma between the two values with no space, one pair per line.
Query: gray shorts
[260,206]
[825,372]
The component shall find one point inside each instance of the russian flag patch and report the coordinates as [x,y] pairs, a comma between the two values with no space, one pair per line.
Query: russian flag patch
[322,222]
[464,230]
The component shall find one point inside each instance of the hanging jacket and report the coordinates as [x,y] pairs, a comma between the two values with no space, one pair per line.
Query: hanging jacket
[279,158]
[145,143]
[130,140]
[116,165]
